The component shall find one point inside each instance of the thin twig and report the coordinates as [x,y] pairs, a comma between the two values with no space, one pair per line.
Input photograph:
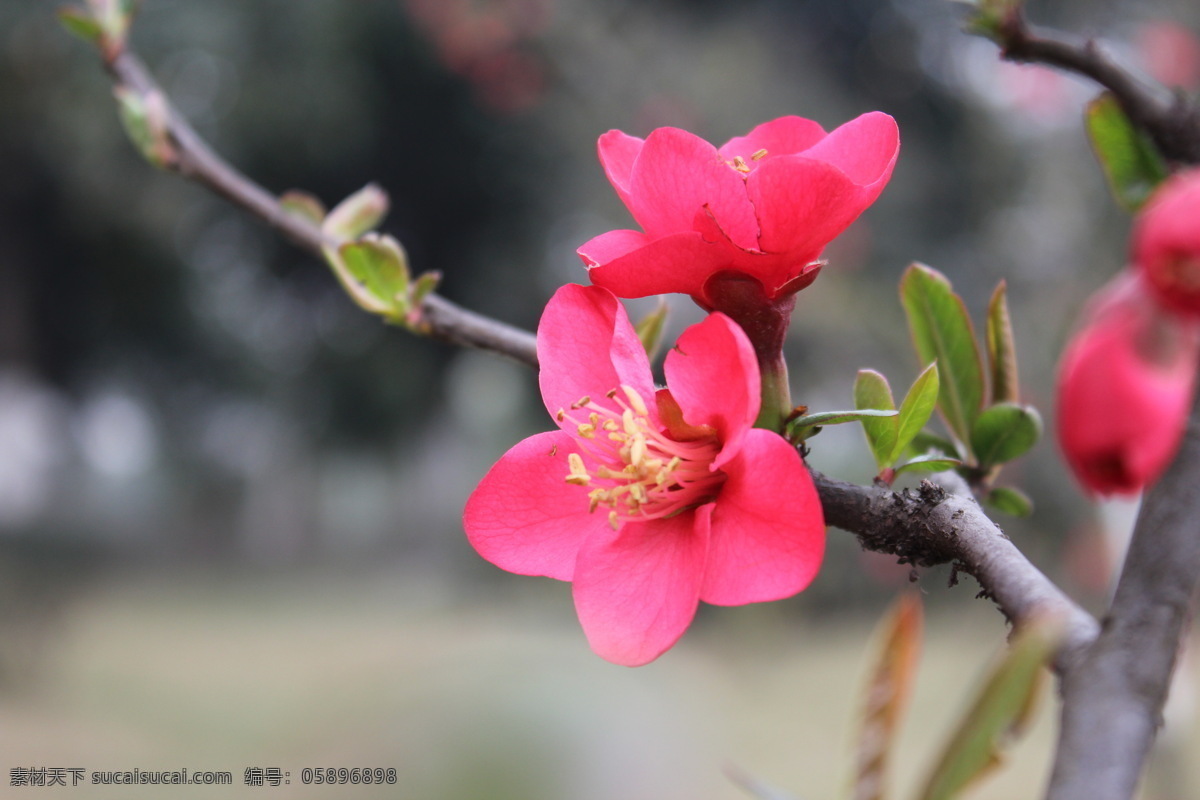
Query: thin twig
[1113,700]
[194,159]
[1173,124]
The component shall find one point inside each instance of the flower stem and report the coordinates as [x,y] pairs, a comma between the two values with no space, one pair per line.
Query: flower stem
[776,394]
[765,321]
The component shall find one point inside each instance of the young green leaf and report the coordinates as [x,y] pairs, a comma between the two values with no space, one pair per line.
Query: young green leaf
[1000,713]
[1002,352]
[886,694]
[423,286]
[1009,501]
[302,205]
[916,409]
[357,214]
[1004,432]
[807,425]
[928,464]
[1130,161]
[651,327]
[925,442]
[871,391]
[379,264]
[941,331]
[82,24]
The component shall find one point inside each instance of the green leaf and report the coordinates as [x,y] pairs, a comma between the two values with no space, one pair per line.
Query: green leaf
[1000,713]
[424,285]
[1004,432]
[942,332]
[1002,351]
[916,409]
[303,205]
[1010,501]
[651,327]
[807,425]
[357,214]
[144,118]
[871,391]
[928,464]
[924,442]
[1130,161]
[379,264]
[80,23]
[886,694]
[992,16]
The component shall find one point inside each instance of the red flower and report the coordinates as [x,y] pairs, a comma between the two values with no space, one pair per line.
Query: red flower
[1124,390]
[1166,243]
[764,205]
[648,501]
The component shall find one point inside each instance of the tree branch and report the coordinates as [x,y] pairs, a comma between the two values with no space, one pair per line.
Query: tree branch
[1174,125]
[1113,700]
[932,526]
[194,159]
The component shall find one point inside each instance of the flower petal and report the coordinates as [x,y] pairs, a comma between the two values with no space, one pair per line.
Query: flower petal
[618,151]
[779,137]
[805,201]
[610,246]
[676,175]
[587,347]
[636,590]
[677,263]
[523,517]
[713,375]
[768,529]
[803,204]
[865,149]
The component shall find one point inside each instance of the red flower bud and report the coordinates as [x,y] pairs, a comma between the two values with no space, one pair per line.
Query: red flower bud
[1124,389]
[1166,243]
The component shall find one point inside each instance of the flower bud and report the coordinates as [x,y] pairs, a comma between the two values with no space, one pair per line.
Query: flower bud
[1124,389]
[1166,243]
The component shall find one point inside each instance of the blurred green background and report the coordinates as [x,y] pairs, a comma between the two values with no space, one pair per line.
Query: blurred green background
[229,500]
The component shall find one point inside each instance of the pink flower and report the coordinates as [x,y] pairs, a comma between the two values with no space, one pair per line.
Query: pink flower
[648,501]
[1166,243]
[1124,390]
[763,205]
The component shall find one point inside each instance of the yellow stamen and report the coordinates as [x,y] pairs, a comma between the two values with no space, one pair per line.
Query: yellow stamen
[579,475]
[759,155]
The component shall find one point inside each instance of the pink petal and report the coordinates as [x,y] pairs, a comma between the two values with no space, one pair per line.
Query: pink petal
[636,589]
[677,174]
[804,204]
[523,517]
[768,530]
[610,246]
[677,263]
[618,151]
[865,149]
[779,137]
[587,347]
[713,375]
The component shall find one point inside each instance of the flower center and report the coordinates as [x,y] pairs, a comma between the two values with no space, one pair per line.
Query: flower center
[739,164]
[635,470]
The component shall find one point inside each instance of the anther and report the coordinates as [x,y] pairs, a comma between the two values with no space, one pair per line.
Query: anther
[759,155]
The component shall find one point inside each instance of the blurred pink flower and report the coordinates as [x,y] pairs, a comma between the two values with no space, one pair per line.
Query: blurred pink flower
[1170,52]
[648,501]
[763,205]
[1166,243]
[1124,389]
